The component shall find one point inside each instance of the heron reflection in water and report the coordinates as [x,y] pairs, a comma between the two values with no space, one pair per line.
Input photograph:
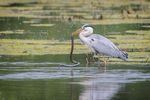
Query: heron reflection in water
[98,44]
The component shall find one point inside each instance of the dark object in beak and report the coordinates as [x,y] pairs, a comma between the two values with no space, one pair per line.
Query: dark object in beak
[71,52]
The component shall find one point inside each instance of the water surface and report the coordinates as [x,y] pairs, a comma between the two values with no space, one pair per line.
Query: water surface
[77,83]
[29,70]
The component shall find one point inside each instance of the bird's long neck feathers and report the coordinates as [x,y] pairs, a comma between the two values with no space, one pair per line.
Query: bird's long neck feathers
[82,38]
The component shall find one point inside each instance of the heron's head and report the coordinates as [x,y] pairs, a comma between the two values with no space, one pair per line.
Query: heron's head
[85,30]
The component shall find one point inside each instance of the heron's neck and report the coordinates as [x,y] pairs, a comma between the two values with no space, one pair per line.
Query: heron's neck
[82,37]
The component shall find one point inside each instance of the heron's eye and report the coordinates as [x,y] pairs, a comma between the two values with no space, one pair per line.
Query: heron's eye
[92,39]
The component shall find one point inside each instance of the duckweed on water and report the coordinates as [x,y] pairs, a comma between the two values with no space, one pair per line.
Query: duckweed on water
[42,25]
[12,32]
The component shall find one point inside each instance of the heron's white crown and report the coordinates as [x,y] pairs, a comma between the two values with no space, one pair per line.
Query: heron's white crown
[89,29]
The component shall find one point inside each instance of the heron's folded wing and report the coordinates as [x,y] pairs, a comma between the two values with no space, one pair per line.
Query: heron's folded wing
[104,41]
[103,45]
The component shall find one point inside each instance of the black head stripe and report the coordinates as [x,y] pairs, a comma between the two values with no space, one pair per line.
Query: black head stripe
[86,25]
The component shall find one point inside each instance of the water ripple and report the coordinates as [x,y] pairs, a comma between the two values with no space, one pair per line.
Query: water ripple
[113,76]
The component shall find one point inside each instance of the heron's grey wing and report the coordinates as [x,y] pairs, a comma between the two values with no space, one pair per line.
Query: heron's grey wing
[103,45]
[104,40]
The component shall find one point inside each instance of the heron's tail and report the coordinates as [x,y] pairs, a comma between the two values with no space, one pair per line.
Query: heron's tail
[123,55]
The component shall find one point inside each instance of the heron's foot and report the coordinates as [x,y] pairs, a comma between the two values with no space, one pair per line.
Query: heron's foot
[103,62]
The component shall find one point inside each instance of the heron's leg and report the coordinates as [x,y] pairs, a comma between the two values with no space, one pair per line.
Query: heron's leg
[87,58]
[90,57]
[104,61]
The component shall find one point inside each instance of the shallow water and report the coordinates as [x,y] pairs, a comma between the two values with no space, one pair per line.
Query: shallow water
[77,83]
[34,72]
[40,77]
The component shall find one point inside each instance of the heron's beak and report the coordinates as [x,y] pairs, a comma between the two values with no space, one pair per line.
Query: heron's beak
[77,31]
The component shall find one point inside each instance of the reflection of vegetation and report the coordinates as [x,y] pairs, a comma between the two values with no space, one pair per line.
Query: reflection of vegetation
[54,89]
[129,93]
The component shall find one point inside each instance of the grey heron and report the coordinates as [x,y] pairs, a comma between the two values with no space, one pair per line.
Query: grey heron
[99,44]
